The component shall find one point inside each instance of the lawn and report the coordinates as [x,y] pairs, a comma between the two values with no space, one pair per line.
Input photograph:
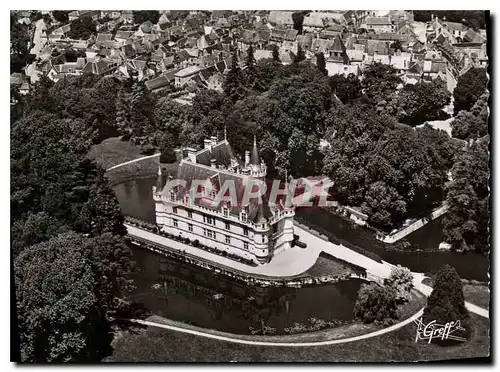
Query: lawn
[477,294]
[159,345]
[113,151]
[327,265]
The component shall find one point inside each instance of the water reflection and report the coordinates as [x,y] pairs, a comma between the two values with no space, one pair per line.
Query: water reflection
[200,297]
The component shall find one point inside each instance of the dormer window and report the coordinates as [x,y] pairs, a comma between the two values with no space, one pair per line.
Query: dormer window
[172,195]
[243,216]
[225,211]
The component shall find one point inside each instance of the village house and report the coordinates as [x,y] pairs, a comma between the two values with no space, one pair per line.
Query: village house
[434,66]
[184,75]
[380,24]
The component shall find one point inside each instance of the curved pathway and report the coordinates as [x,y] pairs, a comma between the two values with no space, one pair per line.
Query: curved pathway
[239,340]
[132,161]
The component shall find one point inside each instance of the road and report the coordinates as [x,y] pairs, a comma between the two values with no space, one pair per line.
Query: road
[239,339]
[38,42]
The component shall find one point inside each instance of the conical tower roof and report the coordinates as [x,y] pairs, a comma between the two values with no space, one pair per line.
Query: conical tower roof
[255,158]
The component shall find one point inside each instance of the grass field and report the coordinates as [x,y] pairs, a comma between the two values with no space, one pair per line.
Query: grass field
[113,151]
[158,345]
[477,294]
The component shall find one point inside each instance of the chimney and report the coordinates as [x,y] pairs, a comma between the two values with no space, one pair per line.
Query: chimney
[213,163]
[191,153]
[213,140]
[207,144]
[247,158]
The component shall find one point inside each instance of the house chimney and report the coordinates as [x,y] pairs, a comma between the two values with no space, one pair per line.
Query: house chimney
[207,143]
[213,163]
[247,158]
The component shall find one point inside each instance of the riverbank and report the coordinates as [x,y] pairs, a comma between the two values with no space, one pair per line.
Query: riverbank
[152,344]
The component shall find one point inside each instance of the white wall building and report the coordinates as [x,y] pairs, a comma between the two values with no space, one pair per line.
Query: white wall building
[256,231]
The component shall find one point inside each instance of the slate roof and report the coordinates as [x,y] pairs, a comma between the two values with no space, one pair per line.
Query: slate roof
[103,37]
[189,171]
[157,82]
[380,21]
[187,71]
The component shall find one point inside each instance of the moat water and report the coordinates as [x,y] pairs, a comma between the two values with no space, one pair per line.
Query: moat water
[135,199]
[199,297]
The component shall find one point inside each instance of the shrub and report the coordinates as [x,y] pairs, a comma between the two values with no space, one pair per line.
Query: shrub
[446,302]
[401,281]
[375,303]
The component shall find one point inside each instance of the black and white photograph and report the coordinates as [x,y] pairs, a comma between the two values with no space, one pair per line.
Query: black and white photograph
[250,186]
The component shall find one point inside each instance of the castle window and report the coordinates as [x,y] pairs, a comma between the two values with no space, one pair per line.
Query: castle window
[245,245]
[225,211]
[244,216]
[245,231]
[205,232]
[190,227]
[172,196]
[175,223]
[263,238]
[228,226]
[190,214]
[174,210]
[228,239]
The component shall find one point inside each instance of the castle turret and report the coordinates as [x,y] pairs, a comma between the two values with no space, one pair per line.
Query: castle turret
[253,163]
[255,158]
[159,180]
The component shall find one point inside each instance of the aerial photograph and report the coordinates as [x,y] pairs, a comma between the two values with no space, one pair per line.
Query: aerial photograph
[250,186]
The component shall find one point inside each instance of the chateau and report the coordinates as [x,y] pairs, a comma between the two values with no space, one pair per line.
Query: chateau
[256,230]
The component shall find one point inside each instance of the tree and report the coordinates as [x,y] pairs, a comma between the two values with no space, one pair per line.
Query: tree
[82,28]
[422,102]
[233,86]
[401,281]
[380,81]
[276,53]
[376,304]
[64,292]
[470,86]
[141,16]
[390,171]
[300,56]
[298,20]
[446,302]
[320,63]
[19,38]
[465,226]
[472,124]
[346,88]
[269,71]
[476,18]
[396,45]
[168,155]
[122,114]
[251,74]
[294,117]
[61,16]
